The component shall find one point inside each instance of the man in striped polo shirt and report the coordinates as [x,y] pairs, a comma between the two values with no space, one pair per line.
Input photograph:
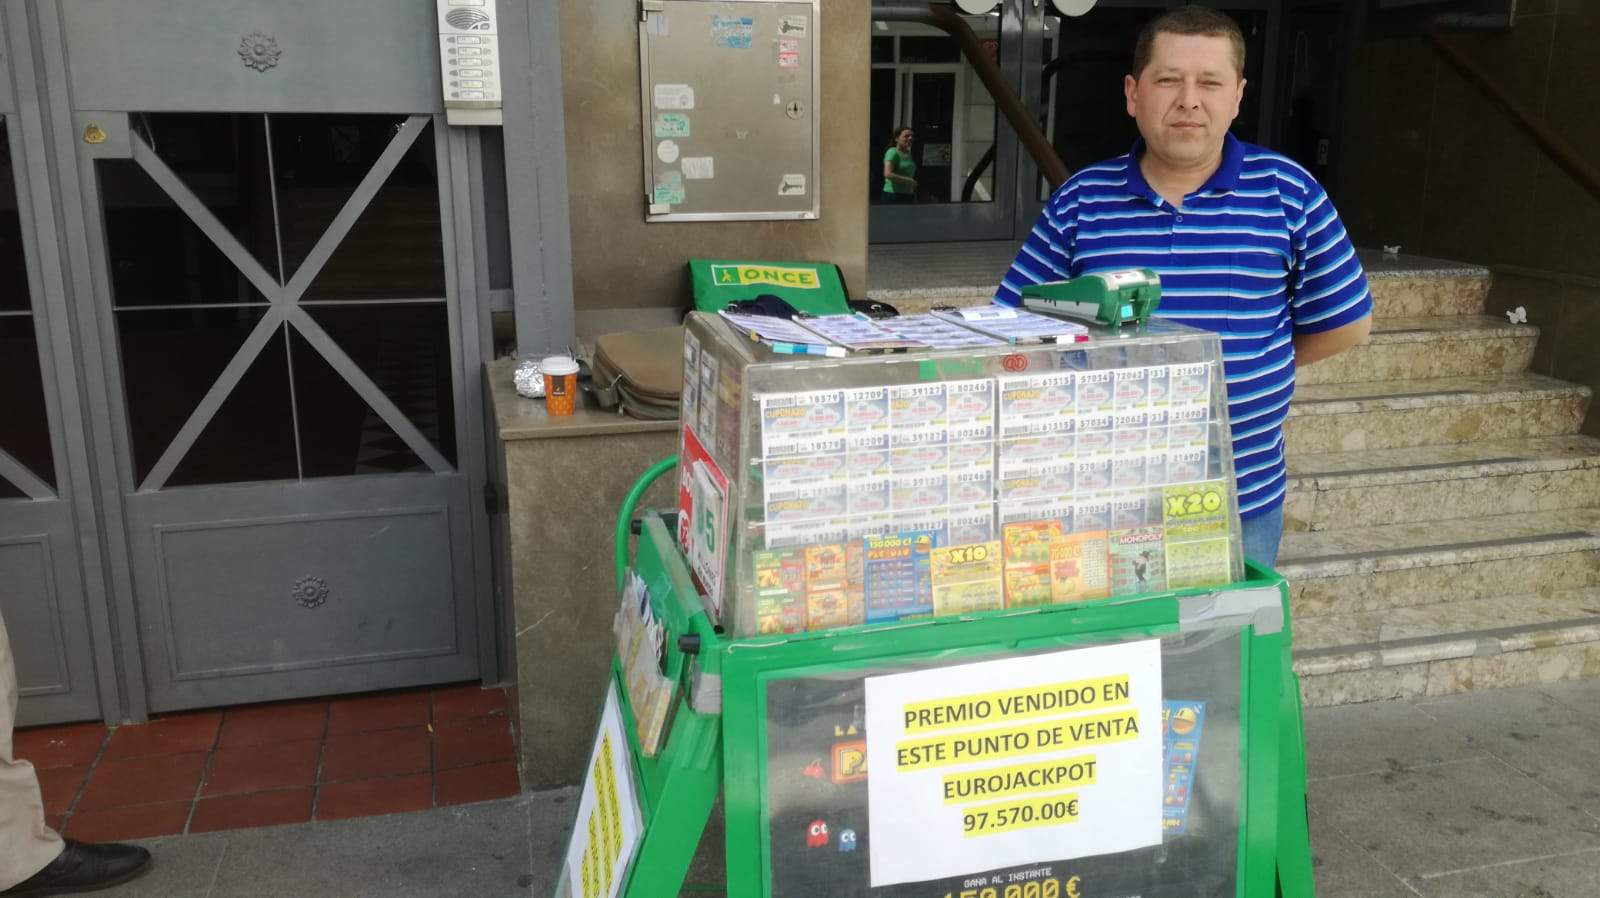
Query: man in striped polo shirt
[1247,244]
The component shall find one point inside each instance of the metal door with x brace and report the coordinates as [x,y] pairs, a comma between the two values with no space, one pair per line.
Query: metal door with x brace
[270,280]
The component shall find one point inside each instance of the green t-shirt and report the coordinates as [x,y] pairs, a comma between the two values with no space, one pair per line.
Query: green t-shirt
[904,166]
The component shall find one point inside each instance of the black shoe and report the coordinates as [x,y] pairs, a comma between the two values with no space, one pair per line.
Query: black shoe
[84,867]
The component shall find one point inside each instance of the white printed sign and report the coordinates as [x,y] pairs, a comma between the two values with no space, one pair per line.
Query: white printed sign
[699,168]
[1020,760]
[673,96]
[608,825]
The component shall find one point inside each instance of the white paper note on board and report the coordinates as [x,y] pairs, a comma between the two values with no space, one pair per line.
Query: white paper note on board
[667,151]
[976,767]
[674,96]
[698,168]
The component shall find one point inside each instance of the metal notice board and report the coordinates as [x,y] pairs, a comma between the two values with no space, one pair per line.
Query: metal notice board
[729,92]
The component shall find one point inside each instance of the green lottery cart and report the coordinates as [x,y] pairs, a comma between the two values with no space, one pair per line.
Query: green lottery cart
[968,622]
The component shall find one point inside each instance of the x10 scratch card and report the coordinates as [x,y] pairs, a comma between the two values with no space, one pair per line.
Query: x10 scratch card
[797,423]
[966,578]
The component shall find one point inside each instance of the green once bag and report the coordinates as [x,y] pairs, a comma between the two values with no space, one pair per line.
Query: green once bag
[811,287]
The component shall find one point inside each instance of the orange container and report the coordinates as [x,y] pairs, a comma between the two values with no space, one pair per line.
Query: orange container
[560,384]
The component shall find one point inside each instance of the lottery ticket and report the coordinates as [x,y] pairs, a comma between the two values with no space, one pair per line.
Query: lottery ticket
[1159,387]
[866,410]
[918,491]
[1187,427]
[868,495]
[971,485]
[1191,384]
[1095,393]
[1091,513]
[1130,388]
[1037,480]
[784,535]
[1130,510]
[1038,403]
[806,501]
[1130,432]
[971,524]
[970,402]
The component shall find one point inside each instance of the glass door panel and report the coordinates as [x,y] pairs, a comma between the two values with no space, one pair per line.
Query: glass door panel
[27,460]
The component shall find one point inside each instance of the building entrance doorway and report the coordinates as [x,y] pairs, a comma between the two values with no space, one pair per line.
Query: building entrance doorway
[260,277]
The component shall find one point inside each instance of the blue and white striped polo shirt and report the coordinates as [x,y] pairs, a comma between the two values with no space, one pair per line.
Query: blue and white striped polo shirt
[1257,254]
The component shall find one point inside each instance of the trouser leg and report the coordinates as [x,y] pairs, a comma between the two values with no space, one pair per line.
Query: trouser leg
[26,844]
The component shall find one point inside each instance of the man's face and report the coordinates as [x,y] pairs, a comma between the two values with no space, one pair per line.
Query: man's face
[1186,98]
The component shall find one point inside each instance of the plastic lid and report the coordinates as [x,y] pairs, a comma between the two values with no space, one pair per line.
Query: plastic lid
[558,365]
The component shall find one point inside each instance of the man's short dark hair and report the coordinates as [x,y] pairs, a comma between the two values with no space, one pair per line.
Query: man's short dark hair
[1188,20]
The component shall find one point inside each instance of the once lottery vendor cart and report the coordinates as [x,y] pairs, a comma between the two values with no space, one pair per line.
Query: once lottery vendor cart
[998,743]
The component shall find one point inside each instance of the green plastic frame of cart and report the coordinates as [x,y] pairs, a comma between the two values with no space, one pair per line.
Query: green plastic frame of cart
[749,664]
[678,787]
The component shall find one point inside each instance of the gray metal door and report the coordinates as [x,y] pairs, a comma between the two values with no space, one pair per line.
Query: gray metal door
[263,236]
[42,594]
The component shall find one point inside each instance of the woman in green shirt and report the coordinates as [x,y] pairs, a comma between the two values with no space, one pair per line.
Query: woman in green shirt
[899,169]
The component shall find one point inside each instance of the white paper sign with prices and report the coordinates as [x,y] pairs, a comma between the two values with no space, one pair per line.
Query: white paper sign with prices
[1020,760]
[608,824]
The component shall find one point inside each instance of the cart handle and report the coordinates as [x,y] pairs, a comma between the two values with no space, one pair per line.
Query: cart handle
[625,513]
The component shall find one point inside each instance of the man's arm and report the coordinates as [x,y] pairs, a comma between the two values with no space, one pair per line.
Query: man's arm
[1331,304]
[1310,348]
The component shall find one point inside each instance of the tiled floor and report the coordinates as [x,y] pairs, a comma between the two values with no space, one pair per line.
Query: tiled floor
[286,762]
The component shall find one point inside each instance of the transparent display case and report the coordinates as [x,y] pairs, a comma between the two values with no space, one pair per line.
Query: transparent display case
[821,492]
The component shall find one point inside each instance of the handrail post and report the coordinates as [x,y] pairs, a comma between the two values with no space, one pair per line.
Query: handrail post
[950,22]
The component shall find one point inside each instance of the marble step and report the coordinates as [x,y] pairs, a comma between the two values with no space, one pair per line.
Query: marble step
[1436,346]
[1410,286]
[1440,649]
[1381,568]
[1395,414]
[1392,486]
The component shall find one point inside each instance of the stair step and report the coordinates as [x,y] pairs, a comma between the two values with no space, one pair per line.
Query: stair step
[1379,568]
[1393,414]
[1437,346]
[1449,647]
[1392,486]
[1409,286]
